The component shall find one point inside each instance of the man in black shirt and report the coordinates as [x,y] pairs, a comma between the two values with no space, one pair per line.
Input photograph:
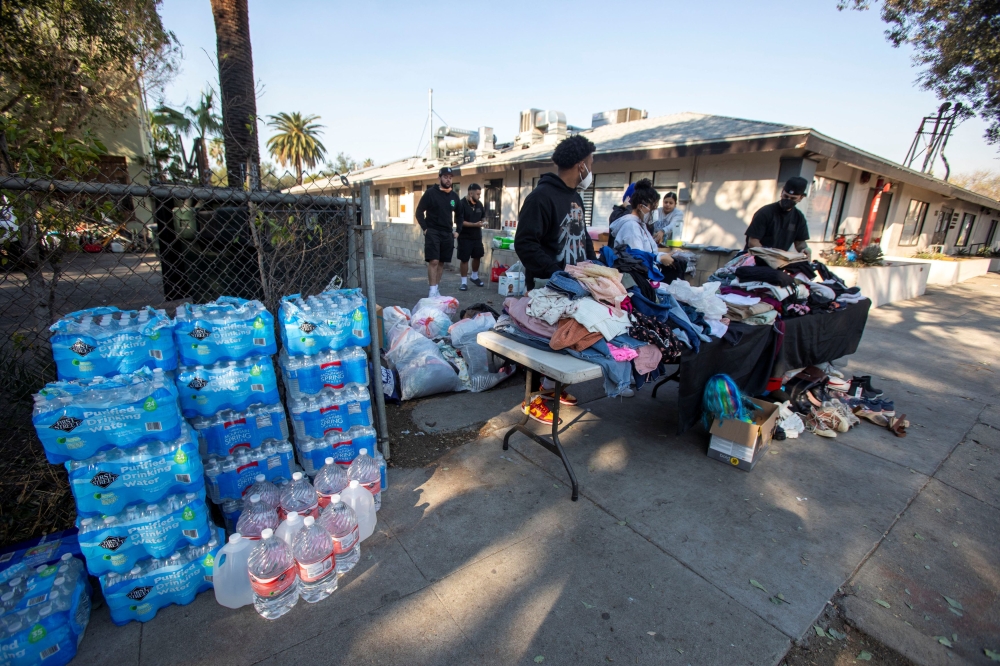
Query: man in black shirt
[434,215]
[781,225]
[470,218]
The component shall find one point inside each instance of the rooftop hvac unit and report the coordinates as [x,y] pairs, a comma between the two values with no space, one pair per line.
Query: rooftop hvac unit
[616,116]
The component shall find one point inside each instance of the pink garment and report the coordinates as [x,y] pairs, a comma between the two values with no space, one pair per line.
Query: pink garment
[622,353]
[603,283]
[517,308]
[648,359]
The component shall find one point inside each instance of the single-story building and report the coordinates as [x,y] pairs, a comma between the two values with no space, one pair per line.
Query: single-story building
[722,169]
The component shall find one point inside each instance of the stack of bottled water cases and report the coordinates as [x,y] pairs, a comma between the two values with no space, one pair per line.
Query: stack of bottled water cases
[228,391]
[135,474]
[325,370]
[43,612]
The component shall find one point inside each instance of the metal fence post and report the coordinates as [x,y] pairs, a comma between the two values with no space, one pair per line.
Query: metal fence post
[369,282]
[353,267]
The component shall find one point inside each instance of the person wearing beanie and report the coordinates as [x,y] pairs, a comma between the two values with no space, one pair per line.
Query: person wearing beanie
[781,225]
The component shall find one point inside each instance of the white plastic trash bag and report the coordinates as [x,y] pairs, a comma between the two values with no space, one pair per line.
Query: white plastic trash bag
[394,319]
[445,304]
[467,329]
[421,367]
[430,322]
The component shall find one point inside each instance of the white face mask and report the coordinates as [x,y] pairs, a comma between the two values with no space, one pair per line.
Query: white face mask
[586,182]
[647,217]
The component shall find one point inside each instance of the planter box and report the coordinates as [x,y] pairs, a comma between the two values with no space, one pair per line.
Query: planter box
[895,281]
[995,265]
[951,272]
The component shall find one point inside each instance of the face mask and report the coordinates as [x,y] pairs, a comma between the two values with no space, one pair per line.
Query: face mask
[786,204]
[648,217]
[587,180]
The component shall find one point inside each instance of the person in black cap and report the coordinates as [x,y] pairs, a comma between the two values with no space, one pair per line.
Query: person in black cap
[435,215]
[781,225]
[470,218]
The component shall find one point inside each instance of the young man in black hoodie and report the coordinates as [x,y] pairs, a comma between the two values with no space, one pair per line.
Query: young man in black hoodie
[551,232]
[435,215]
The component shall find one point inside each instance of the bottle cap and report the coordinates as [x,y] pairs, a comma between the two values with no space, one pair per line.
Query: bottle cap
[260,478]
[334,498]
[7,596]
[294,517]
[363,452]
[297,476]
[14,582]
[308,522]
[266,533]
[254,498]
[354,483]
[235,537]
[59,581]
[329,461]
[66,557]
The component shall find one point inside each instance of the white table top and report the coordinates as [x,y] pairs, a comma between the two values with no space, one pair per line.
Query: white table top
[562,368]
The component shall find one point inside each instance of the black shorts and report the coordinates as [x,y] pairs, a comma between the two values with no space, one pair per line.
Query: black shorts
[470,247]
[438,245]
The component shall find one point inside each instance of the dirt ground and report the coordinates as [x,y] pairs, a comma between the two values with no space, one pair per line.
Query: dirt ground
[411,446]
[832,650]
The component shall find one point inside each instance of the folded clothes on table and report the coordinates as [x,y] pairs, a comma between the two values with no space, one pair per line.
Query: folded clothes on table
[571,334]
[599,318]
[517,308]
[563,282]
[603,283]
[550,305]
[776,258]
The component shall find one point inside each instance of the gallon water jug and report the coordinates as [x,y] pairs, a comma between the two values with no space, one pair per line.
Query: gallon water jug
[230,576]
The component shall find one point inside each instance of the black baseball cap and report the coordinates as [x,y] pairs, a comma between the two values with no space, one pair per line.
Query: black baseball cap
[445,171]
[796,185]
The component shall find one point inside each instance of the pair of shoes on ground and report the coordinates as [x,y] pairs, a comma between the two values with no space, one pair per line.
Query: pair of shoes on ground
[540,412]
[477,282]
[877,406]
[861,387]
[830,418]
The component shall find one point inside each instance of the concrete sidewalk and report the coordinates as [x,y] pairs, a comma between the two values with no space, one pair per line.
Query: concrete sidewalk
[482,558]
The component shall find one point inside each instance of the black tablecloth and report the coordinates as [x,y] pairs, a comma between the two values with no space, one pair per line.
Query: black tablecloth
[808,340]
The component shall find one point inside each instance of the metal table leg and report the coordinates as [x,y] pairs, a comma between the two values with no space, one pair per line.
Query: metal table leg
[552,444]
[663,380]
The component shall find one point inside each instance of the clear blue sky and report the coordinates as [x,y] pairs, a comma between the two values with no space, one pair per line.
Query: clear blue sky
[365,67]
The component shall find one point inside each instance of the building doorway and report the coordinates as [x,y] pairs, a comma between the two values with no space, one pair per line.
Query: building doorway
[492,201]
[941,228]
[880,215]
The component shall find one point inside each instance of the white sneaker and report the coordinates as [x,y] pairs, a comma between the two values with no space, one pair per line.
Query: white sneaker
[626,393]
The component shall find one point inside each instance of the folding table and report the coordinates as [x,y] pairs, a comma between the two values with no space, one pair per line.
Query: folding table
[563,369]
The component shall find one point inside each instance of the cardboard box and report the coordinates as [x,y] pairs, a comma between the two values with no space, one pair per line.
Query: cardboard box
[511,284]
[381,324]
[743,444]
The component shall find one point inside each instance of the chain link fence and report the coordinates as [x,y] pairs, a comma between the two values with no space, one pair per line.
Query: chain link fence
[120,239]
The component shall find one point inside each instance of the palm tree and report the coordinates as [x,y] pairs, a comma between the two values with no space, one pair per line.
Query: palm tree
[297,141]
[208,123]
[237,91]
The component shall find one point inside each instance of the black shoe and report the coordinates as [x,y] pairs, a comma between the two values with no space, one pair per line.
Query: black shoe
[464,287]
[478,282]
[866,381]
[859,389]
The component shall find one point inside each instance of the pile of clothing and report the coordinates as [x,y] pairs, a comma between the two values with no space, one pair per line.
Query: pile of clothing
[766,284]
[586,311]
[823,401]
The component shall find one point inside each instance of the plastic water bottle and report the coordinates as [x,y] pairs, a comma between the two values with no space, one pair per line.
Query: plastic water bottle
[382,469]
[230,577]
[256,518]
[269,493]
[366,471]
[359,499]
[329,481]
[289,527]
[342,523]
[314,555]
[273,576]
[355,362]
[300,496]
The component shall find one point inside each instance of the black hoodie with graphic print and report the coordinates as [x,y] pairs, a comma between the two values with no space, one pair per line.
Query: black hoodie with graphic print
[551,232]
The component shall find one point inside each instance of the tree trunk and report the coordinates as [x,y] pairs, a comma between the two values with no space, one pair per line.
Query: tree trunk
[238,98]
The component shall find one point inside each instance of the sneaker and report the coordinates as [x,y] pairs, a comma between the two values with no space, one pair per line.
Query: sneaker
[478,282]
[627,393]
[564,398]
[887,407]
[464,287]
[838,384]
[539,412]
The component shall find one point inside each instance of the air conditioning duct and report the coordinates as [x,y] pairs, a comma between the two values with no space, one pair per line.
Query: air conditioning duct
[541,125]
